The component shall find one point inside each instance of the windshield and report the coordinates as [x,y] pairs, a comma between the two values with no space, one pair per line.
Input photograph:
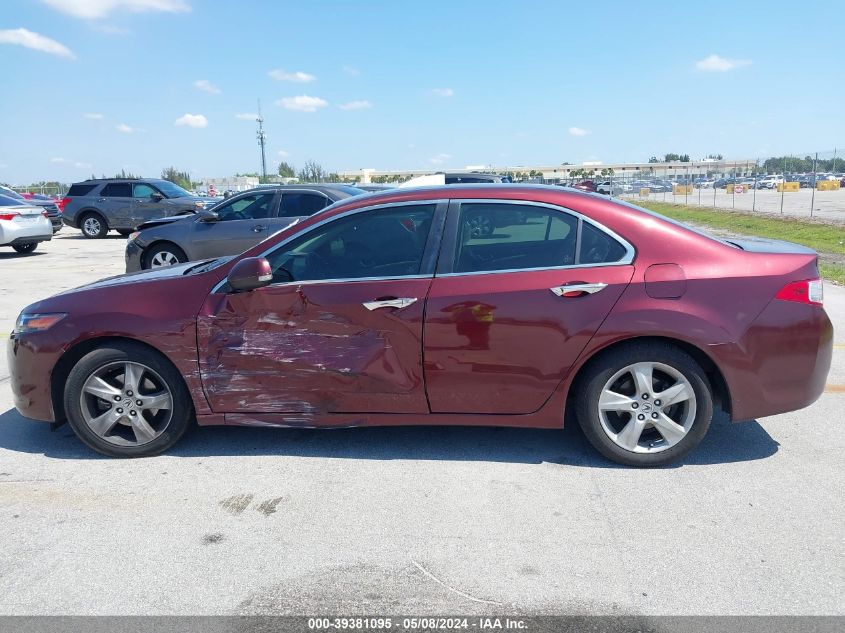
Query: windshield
[170,189]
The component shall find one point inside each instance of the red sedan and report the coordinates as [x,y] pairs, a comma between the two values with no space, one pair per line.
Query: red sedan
[387,309]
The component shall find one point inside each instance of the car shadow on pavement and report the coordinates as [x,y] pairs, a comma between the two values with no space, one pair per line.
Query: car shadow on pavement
[726,442]
[13,254]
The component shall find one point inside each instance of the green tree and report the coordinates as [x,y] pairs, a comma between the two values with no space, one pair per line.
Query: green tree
[312,171]
[174,175]
[286,170]
[654,159]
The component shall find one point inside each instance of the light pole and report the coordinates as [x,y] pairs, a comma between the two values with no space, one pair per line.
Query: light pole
[262,139]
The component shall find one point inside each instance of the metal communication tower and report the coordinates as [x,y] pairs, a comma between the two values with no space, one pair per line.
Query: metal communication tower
[262,139]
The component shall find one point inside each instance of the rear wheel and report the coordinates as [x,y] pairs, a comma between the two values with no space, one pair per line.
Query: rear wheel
[26,249]
[126,400]
[646,404]
[165,254]
[93,226]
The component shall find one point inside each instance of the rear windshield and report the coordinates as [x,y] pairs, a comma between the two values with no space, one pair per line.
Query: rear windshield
[352,191]
[655,214]
[80,190]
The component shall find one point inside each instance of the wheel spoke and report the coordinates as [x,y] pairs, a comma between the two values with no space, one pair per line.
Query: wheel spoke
[642,373]
[612,401]
[102,424]
[132,375]
[671,431]
[156,401]
[143,431]
[679,392]
[629,436]
[98,387]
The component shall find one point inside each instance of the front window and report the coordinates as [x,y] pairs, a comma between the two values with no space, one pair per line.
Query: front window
[171,190]
[256,206]
[387,242]
[141,190]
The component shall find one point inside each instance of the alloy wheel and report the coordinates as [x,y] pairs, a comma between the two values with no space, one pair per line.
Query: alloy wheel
[647,407]
[126,403]
[91,226]
[162,259]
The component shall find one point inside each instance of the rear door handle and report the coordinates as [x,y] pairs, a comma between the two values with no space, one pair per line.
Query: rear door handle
[403,302]
[578,289]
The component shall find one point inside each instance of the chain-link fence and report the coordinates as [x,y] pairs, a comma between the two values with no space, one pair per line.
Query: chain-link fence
[808,186]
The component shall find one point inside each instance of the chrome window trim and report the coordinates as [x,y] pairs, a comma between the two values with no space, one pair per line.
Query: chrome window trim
[316,225]
[626,260]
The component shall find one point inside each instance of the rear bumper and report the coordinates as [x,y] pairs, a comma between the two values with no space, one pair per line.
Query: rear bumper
[12,233]
[780,364]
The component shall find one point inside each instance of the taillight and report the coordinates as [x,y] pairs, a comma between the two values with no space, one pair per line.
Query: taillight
[808,291]
[61,204]
[9,215]
[44,213]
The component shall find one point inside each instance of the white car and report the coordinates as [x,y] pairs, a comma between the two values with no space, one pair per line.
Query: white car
[615,189]
[23,226]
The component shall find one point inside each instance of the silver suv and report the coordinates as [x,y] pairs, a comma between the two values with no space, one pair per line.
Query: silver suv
[123,204]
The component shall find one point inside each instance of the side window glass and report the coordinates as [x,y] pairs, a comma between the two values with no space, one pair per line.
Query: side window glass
[296,205]
[142,191]
[117,190]
[501,236]
[597,247]
[257,206]
[386,242]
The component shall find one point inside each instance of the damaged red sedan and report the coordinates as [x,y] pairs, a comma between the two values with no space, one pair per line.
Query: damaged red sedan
[390,309]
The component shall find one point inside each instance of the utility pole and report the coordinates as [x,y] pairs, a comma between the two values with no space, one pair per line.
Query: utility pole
[262,139]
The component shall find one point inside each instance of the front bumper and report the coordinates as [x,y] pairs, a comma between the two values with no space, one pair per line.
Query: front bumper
[134,256]
[30,374]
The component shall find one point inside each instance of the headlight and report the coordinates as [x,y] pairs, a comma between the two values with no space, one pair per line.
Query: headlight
[28,323]
[133,236]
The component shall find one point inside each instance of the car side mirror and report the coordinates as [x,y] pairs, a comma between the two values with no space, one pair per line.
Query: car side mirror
[157,196]
[249,274]
[208,216]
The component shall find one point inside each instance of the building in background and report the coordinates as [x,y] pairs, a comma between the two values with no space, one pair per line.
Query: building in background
[230,183]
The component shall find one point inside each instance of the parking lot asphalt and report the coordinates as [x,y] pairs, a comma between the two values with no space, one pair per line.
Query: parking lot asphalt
[413,520]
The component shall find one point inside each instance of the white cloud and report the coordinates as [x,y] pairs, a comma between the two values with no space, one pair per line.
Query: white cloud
[65,161]
[298,76]
[92,9]
[122,127]
[718,64]
[94,116]
[109,29]
[439,159]
[246,116]
[578,131]
[351,71]
[443,92]
[302,103]
[35,41]
[362,104]
[192,120]
[206,86]
[282,153]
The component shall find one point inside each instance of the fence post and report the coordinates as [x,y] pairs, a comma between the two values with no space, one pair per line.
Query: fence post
[813,197]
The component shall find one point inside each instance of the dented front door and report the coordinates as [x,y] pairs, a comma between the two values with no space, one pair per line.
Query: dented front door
[353,346]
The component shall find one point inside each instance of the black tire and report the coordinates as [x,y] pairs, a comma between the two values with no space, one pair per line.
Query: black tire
[124,232]
[25,249]
[605,366]
[182,409]
[479,225]
[162,249]
[93,225]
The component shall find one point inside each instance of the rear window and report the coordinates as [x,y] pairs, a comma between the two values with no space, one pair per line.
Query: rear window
[117,190]
[80,190]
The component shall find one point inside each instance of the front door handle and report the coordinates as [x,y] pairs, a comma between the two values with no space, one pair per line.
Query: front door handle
[258,228]
[403,302]
[578,289]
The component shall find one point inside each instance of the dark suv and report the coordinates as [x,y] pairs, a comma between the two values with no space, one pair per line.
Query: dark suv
[123,204]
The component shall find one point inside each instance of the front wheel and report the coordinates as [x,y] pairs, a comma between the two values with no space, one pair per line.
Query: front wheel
[126,400]
[25,249]
[646,404]
[164,254]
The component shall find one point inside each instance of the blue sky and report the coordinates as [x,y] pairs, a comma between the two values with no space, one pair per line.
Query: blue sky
[100,85]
